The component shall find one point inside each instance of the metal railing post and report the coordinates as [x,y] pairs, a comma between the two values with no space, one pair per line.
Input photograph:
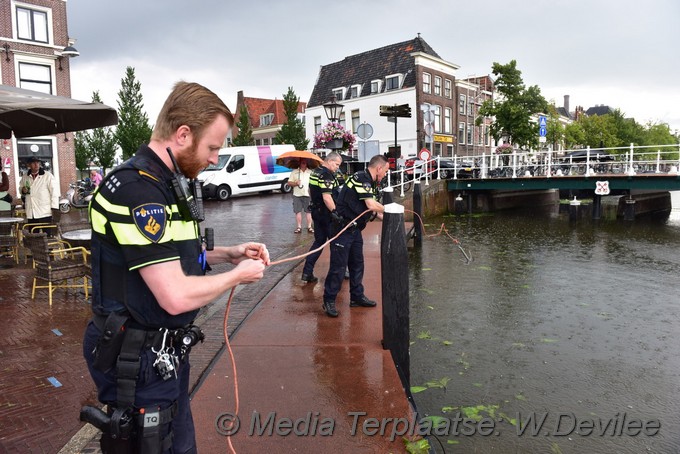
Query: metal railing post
[658,161]
[588,161]
[631,170]
[514,163]
[484,165]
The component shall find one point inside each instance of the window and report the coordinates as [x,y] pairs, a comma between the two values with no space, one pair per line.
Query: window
[486,135]
[32,24]
[470,107]
[449,150]
[35,77]
[427,83]
[437,118]
[355,120]
[258,142]
[375,86]
[355,91]
[266,119]
[470,132]
[437,85]
[42,149]
[391,83]
[317,124]
[461,132]
[437,149]
[265,141]
[339,94]
[341,120]
[237,163]
[447,120]
[447,88]
[461,104]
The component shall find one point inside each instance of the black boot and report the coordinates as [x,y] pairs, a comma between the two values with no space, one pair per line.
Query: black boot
[329,308]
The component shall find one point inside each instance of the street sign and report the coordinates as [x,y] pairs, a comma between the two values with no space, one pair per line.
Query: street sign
[602,188]
[365,131]
[542,131]
[542,121]
[403,110]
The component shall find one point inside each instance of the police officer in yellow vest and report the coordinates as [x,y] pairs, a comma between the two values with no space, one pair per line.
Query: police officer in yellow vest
[148,267]
[356,196]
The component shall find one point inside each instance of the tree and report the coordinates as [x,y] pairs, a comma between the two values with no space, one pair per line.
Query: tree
[97,145]
[133,123]
[513,110]
[293,131]
[245,131]
[574,136]
[555,129]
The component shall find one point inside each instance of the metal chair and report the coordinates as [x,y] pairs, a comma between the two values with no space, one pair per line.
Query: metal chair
[9,243]
[57,265]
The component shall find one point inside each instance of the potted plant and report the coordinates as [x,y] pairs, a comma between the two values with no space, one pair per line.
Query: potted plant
[335,137]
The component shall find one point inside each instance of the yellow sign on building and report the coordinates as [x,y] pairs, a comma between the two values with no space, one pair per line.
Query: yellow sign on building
[445,139]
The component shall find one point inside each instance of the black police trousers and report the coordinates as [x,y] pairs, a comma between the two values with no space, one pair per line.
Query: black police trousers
[347,252]
[151,390]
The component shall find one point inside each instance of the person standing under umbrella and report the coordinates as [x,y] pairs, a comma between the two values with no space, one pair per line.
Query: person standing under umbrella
[299,181]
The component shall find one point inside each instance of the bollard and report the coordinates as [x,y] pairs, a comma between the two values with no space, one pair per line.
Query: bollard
[597,206]
[395,290]
[418,209]
[574,207]
[387,195]
[629,210]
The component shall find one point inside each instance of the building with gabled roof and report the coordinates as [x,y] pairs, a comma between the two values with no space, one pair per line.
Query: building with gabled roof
[409,72]
[266,117]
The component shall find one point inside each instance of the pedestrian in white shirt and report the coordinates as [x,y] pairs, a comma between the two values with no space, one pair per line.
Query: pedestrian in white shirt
[299,181]
[39,188]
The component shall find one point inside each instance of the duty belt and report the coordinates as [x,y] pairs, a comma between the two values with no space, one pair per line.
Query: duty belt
[153,336]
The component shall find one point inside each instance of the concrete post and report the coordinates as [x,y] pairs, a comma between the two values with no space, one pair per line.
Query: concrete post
[597,206]
[395,290]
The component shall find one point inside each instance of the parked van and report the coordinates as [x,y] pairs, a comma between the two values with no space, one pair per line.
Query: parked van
[243,170]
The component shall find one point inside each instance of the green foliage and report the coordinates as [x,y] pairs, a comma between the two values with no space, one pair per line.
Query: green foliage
[421,446]
[555,133]
[514,108]
[97,145]
[293,131]
[133,123]
[245,131]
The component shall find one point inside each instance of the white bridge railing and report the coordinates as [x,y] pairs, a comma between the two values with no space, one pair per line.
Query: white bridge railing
[632,160]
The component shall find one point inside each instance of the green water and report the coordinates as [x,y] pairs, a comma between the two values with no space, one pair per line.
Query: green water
[576,323]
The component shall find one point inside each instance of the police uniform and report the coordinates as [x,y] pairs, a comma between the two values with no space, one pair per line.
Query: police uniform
[136,223]
[347,250]
[322,181]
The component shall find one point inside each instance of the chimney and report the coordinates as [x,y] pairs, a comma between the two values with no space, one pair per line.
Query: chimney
[566,103]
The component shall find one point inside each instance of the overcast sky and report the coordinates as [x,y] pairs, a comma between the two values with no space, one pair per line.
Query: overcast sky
[620,53]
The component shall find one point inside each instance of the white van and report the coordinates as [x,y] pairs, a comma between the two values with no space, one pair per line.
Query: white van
[243,170]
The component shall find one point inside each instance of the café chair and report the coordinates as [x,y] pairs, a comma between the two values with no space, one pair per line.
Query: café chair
[55,266]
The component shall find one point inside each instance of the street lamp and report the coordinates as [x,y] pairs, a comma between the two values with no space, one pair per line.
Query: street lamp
[333,109]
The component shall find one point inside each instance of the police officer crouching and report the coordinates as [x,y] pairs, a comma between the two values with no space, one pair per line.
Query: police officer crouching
[358,194]
[148,278]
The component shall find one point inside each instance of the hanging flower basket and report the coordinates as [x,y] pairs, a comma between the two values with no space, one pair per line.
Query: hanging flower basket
[335,137]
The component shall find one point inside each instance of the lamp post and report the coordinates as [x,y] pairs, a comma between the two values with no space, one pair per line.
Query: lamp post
[333,112]
[333,109]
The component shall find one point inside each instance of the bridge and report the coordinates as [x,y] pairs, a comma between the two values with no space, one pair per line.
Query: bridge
[622,170]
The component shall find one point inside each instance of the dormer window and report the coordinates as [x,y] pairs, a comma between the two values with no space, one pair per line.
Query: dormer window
[339,93]
[393,82]
[375,86]
[266,119]
[355,91]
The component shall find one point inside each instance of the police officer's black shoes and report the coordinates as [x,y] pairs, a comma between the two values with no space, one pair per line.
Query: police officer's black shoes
[362,302]
[329,308]
[309,278]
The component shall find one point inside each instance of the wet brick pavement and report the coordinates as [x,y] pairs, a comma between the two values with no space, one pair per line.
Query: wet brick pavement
[43,378]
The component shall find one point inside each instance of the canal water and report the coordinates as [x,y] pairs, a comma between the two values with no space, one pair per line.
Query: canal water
[553,327]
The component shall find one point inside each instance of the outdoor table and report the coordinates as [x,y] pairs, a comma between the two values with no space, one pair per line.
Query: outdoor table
[80,237]
[9,220]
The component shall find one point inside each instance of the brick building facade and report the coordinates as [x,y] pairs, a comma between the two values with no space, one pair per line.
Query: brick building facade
[33,35]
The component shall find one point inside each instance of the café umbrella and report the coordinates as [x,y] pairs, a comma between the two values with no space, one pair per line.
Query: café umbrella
[291,159]
[28,113]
